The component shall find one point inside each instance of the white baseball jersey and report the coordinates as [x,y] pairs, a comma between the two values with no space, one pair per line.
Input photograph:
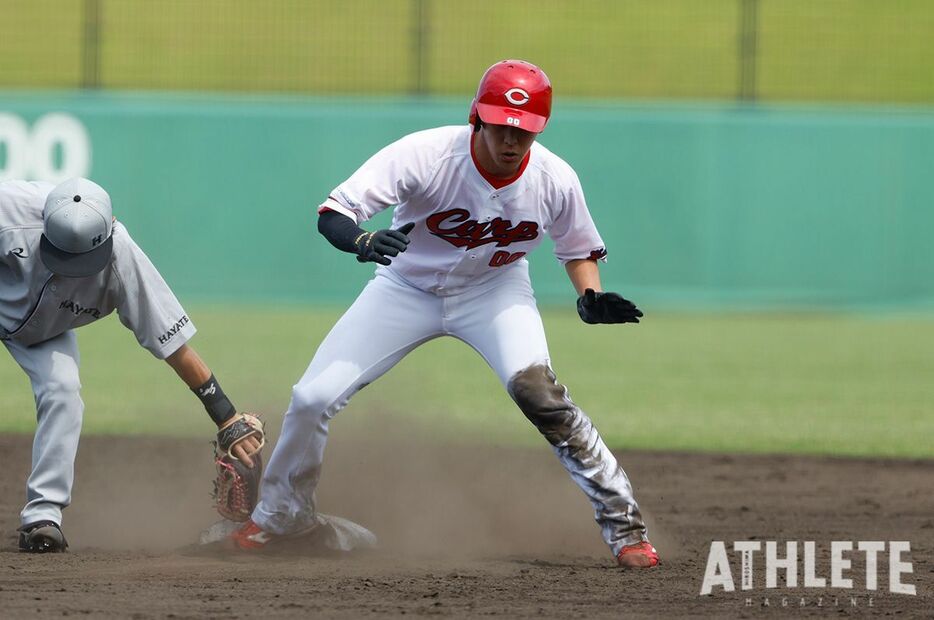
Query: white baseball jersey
[471,230]
[36,305]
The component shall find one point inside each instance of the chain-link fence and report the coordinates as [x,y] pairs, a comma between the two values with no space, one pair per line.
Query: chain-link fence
[824,50]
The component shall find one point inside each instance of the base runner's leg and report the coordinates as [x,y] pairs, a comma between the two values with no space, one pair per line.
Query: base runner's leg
[503,324]
[387,320]
[546,403]
[52,367]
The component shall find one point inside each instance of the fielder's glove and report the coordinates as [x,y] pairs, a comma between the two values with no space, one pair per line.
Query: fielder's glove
[377,246]
[606,308]
[236,487]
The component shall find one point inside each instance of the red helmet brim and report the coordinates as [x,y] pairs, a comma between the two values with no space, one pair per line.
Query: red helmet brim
[511,117]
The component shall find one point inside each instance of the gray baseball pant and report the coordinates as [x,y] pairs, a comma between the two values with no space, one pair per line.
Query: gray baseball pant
[52,368]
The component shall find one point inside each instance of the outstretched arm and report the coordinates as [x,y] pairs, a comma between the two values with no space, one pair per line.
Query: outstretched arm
[189,366]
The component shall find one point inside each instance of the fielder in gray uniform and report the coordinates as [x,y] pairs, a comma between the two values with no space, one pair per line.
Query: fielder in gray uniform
[66,262]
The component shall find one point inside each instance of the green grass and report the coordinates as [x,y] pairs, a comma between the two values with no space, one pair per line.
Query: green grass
[735,383]
[832,50]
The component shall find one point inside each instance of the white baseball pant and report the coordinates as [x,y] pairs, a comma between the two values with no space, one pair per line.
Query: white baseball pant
[500,320]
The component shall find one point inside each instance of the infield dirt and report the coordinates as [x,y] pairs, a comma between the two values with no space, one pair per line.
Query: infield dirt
[465,531]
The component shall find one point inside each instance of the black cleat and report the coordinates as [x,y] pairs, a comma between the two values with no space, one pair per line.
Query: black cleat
[42,537]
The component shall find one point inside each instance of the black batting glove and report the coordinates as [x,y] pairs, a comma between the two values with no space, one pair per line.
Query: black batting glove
[378,246]
[606,308]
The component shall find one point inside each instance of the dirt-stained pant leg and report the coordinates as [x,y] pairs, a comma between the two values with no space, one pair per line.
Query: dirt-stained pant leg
[52,367]
[546,403]
[500,320]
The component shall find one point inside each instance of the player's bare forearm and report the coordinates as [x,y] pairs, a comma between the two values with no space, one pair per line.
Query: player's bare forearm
[584,274]
[189,366]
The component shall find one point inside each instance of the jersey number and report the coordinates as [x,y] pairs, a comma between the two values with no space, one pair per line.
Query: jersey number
[504,258]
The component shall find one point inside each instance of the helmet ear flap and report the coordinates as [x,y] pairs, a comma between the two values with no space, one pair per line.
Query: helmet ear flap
[474,117]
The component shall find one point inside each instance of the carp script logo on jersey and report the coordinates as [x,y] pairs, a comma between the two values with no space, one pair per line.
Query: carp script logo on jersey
[457,228]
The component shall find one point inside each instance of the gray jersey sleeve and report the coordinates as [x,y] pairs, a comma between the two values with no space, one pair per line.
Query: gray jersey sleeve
[146,304]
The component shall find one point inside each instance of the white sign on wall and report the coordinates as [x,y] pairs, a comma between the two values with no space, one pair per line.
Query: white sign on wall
[57,147]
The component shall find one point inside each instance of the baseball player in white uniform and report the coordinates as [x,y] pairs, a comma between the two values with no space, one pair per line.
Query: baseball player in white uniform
[470,203]
[66,262]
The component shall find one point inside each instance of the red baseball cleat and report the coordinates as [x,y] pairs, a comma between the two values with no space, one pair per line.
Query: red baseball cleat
[639,555]
[251,537]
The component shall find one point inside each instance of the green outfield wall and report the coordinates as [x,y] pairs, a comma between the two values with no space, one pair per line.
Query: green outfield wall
[700,205]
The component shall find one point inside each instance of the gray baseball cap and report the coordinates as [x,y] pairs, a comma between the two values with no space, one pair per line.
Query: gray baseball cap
[78,223]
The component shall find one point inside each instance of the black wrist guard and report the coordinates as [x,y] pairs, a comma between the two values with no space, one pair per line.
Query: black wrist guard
[215,401]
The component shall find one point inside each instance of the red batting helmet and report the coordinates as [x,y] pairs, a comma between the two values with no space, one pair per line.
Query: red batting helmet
[513,92]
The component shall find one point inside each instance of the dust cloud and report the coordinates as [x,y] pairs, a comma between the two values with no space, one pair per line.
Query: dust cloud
[420,497]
